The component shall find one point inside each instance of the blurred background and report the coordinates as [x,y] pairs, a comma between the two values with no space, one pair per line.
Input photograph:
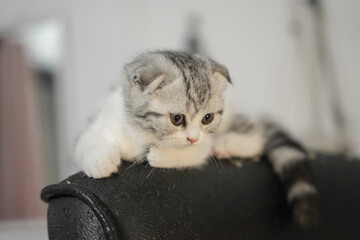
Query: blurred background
[294,60]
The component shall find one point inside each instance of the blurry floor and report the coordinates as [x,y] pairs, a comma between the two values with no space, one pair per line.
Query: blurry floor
[32,229]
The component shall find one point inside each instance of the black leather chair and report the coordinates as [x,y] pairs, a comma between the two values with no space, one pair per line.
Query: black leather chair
[218,201]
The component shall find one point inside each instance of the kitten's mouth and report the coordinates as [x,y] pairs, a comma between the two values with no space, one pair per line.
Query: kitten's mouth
[193,144]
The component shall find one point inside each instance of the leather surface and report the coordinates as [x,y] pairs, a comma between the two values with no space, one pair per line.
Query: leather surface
[70,218]
[218,201]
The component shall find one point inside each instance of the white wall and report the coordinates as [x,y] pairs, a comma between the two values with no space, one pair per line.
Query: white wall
[251,37]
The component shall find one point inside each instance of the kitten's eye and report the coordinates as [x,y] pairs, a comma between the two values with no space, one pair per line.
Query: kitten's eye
[177,119]
[208,118]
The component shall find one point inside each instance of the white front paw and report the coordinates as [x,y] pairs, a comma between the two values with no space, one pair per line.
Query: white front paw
[163,158]
[220,148]
[179,158]
[100,162]
[238,145]
[153,157]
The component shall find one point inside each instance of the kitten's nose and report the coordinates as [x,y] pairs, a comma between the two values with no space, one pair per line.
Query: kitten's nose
[192,140]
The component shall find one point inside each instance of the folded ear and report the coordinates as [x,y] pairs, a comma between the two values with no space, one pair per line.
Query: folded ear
[221,75]
[145,74]
[221,70]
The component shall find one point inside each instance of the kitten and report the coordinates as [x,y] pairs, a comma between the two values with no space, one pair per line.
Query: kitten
[170,111]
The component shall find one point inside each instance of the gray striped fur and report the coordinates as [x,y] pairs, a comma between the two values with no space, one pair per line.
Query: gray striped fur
[188,82]
[290,162]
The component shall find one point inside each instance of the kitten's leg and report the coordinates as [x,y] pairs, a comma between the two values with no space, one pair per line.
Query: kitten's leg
[97,149]
[192,156]
[243,139]
[97,156]
[290,162]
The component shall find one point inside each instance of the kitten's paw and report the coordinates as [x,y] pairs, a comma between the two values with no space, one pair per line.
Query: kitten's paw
[179,158]
[305,211]
[238,145]
[101,162]
[222,154]
[154,159]
[220,149]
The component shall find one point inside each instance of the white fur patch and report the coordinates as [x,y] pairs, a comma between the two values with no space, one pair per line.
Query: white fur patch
[285,156]
[300,189]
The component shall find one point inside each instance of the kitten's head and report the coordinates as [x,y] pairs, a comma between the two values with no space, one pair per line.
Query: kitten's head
[175,96]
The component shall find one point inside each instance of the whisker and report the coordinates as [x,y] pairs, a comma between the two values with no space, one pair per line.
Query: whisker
[151,171]
[132,165]
[215,160]
[236,162]
[220,164]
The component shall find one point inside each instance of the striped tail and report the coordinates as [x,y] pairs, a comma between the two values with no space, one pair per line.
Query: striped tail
[290,162]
